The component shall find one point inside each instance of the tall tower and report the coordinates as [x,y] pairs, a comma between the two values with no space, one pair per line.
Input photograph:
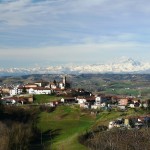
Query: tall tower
[64,81]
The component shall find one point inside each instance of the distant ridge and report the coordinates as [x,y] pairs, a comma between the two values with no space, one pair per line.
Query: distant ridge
[127,65]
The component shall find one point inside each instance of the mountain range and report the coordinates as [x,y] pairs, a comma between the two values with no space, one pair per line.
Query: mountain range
[124,65]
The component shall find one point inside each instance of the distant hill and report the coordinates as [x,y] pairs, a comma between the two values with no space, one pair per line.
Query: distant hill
[80,80]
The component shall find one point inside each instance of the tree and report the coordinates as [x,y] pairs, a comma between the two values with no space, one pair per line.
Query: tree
[55,82]
[24,90]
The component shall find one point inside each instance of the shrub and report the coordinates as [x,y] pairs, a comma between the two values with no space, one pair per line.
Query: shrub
[117,139]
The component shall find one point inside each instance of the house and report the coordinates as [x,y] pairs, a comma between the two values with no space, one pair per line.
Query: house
[39,90]
[14,100]
[123,101]
[52,85]
[41,83]
[69,92]
[68,100]
[86,102]
[6,90]
[28,98]
[31,85]
[90,100]
[94,102]
[95,106]
[59,91]
[97,100]
[135,103]
[130,102]
[102,101]
[82,92]
[146,103]
[81,99]
[8,101]
[15,91]
[61,85]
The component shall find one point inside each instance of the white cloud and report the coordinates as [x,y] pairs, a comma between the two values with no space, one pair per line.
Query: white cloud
[88,52]
[79,29]
[23,12]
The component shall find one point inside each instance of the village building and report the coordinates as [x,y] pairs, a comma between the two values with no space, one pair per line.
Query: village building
[68,100]
[41,83]
[123,101]
[15,91]
[39,90]
[31,85]
[52,85]
[15,100]
[6,90]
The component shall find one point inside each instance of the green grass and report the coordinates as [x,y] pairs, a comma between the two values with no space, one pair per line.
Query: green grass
[70,122]
[145,93]
[44,98]
[122,91]
[120,84]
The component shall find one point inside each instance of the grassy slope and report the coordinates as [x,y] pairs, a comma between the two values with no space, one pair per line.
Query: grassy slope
[70,122]
[43,98]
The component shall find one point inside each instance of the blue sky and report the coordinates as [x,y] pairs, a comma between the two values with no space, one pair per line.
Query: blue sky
[52,32]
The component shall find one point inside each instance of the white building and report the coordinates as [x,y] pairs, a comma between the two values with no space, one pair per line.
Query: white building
[61,85]
[98,100]
[81,100]
[15,91]
[40,90]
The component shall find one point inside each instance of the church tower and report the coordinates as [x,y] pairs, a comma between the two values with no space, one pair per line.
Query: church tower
[64,81]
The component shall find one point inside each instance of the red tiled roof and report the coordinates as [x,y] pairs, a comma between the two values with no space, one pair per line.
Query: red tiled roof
[90,98]
[40,88]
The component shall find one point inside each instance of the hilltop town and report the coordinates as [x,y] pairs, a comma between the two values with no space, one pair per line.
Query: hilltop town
[24,94]
[77,107]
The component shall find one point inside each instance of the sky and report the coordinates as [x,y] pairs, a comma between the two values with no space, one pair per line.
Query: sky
[54,32]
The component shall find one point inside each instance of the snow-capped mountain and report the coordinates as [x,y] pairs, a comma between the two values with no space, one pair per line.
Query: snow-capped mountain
[123,65]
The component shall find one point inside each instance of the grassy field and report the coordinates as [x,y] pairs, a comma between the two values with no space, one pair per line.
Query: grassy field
[44,98]
[122,91]
[67,122]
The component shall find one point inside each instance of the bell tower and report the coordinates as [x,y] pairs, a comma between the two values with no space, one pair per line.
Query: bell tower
[64,81]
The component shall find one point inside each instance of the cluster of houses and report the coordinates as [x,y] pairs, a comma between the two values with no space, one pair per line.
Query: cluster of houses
[130,122]
[20,99]
[106,102]
[84,99]
[24,93]
[39,87]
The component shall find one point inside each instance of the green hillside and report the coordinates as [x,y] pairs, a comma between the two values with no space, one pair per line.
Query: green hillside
[68,123]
